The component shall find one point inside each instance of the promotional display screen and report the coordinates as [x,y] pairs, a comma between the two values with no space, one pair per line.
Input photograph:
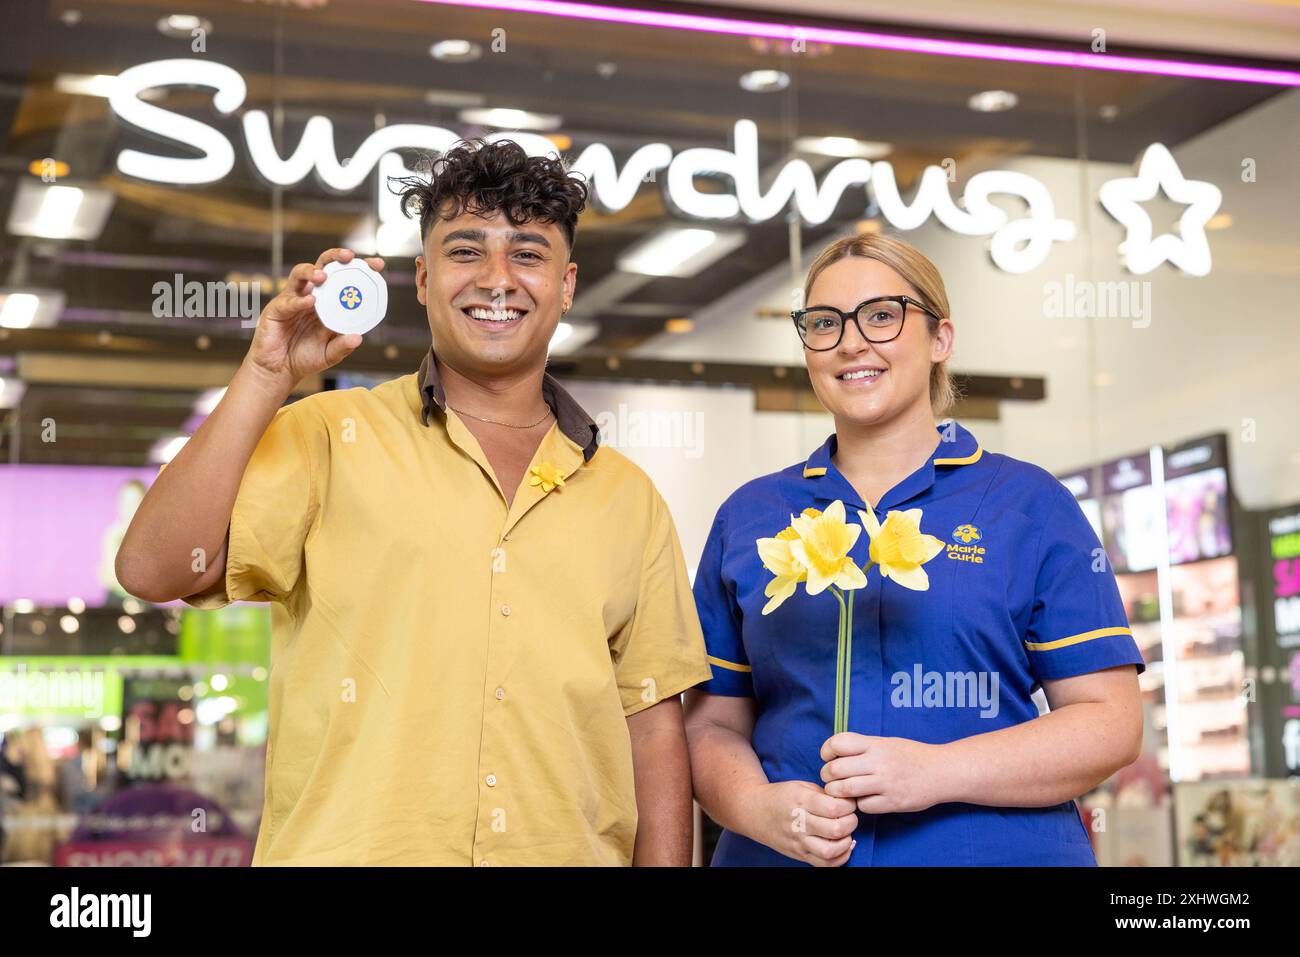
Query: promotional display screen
[1165,521]
[1281,634]
[1284,556]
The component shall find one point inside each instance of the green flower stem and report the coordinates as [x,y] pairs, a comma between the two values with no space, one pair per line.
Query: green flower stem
[839,663]
[848,664]
[844,667]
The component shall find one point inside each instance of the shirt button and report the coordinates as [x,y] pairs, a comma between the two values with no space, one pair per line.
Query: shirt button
[501,693]
[491,780]
[505,610]
[483,863]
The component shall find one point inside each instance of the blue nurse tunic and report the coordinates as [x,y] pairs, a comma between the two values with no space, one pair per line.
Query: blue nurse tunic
[1021,593]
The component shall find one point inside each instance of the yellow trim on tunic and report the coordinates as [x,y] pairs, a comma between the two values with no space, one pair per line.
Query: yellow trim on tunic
[1076,639]
[729,665]
[967,460]
[810,472]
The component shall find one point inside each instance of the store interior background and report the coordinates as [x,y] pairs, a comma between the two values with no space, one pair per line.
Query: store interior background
[698,378]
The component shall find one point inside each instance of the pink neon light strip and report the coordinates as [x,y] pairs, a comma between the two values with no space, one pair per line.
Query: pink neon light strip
[885,41]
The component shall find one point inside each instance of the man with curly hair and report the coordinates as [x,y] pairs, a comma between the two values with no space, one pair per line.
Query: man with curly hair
[481,617]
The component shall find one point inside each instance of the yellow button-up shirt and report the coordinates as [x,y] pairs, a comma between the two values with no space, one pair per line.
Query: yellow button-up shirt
[450,677]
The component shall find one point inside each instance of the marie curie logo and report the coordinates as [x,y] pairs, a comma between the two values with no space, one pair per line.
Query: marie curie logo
[350,297]
[965,545]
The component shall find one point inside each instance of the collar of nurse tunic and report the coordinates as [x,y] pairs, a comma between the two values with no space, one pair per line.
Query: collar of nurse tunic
[568,445]
[956,446]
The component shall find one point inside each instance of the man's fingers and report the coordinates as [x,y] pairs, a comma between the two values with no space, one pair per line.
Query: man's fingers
[338,254]
[375,263]
[302,277]
[291,307]
[340,347]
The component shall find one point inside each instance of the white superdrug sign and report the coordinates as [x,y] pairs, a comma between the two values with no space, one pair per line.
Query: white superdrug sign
[1016,245]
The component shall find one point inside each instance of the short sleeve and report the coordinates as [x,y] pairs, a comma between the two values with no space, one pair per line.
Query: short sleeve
[659,652]
[720,620]
[1078,623]
[273,511]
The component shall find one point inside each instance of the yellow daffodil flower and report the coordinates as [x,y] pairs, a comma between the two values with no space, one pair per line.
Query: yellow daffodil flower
[823,545]
[900,548]
[778,559]
[546,475]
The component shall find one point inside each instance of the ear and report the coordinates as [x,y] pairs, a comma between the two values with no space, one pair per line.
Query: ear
[941,341]
[421,280]
[570,282]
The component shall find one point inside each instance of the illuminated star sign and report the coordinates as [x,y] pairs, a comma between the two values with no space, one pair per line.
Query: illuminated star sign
[1189,250]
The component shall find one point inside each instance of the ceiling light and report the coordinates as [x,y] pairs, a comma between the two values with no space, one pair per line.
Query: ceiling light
[183,25]
[11,393]
[30,308]
[679,326]
[993,101]
[18,310]
[49,167]
[764,81]
[456,51]
[845,147]
[59,212]
[507,119]
[85,84]
[457,99]
[679,251]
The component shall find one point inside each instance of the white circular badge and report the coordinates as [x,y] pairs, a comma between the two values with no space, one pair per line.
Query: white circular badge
[352,299]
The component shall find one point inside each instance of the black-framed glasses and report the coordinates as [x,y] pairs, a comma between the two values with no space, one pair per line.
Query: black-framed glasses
[822,327]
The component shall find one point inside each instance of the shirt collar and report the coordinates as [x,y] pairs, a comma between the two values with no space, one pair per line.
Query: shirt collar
[572,418]
[956,447]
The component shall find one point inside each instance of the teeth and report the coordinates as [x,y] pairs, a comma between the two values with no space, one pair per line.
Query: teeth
[496,315]
[862,374]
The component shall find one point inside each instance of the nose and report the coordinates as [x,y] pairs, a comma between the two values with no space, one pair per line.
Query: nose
[853,342]
[495,274]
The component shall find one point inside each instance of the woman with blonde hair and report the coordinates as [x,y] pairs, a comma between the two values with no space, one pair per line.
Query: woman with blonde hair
[999,588]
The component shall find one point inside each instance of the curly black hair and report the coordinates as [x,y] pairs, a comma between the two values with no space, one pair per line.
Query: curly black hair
[481,177]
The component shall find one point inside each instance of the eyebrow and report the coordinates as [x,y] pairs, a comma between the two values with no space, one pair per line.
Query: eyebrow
[480,236]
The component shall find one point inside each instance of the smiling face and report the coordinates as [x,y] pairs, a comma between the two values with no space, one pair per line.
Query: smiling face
[494,292]
[867,383]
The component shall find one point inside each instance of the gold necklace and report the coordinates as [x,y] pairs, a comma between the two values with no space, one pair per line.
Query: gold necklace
[508,425]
